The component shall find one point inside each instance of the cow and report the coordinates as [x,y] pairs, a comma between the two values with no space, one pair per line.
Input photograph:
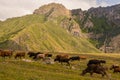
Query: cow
[6,53]
[95,68]
[115,68]
[62,56]
[33,54]
[20,54]
[62,59]
[95,61]
[83,57]
[73,58]
[48,55]
[39,57]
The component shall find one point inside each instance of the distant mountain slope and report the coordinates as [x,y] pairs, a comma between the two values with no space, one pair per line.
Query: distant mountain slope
[102,25]
[38,33]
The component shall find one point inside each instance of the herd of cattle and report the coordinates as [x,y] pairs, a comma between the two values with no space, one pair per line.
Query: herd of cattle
[93,65]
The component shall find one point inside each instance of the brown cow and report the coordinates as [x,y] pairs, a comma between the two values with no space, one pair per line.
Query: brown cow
[39,57]
[20,54]
[62,55]
[62,58]
[48,55]
[6,53]
[83,57]
[115,68]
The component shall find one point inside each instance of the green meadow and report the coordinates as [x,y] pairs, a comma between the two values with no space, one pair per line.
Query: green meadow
[11,69]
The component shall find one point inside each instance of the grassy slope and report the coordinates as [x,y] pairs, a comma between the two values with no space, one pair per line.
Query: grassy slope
[19,70]
[33,33]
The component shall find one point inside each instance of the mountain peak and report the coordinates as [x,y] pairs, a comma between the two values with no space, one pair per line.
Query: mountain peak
[53,10]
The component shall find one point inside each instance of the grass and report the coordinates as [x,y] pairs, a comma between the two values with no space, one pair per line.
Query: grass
[11,69]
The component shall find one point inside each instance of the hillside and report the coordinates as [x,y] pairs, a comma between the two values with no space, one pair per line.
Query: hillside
[38,32]
[102,26]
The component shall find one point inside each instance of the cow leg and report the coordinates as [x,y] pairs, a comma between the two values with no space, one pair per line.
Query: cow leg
[103,73]
[20,57]
[91,73]
[9,57]
[24,56]
[43,58]
[114,71]
[4,57]
[15,57]
[106,74]
[84,72]
[61,63]
[68,63]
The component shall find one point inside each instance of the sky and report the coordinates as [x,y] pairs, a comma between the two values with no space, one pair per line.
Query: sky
[16,8]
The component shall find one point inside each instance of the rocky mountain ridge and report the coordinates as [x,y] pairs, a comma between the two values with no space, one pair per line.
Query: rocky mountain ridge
[102,25]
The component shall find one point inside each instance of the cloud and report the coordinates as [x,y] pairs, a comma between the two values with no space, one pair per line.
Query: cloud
[14,8]
[102,3]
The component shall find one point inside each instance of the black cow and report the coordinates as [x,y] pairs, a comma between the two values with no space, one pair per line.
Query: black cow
[73,58]
[34,54]
[93,68]
[95,61]
[48,55]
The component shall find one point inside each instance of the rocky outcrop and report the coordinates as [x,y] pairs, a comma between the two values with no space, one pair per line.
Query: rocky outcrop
[71,26]
[59,14]
[115,43]
[53,10]
[111,13]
